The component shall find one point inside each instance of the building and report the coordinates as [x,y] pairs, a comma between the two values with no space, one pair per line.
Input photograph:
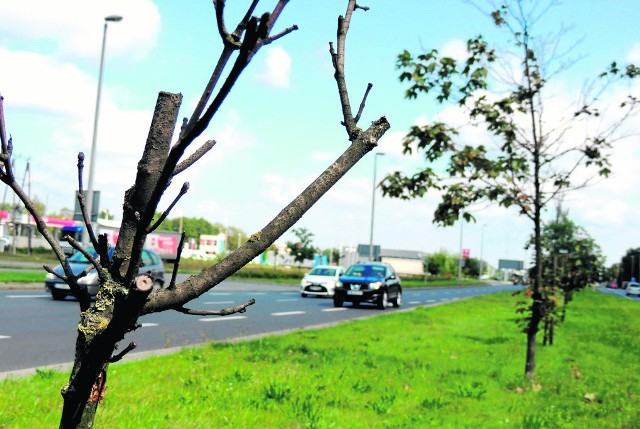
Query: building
[212,244]
[408,262]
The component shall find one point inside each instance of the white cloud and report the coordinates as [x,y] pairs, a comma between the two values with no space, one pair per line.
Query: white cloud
[83,23]
[323,156]
[634,54]
[277,70]
[38,82]
[456,49]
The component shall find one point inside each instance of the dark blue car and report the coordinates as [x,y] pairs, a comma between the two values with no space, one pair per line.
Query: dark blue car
[372,282]
[151,263]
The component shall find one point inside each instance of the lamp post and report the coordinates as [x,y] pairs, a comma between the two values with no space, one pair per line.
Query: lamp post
[373,202]
[92,156]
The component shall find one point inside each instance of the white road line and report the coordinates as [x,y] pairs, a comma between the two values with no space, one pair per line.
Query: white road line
[288,313]
[431,300]
[222,319]
[28,296]
[255,293]
[4,337]
[414,302]
[148,325]
[335,309]
[219,293]
[218,302]
[286,300]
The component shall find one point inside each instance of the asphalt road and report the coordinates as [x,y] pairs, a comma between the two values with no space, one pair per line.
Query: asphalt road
[36,331]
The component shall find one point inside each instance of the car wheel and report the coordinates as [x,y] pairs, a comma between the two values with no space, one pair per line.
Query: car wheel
[383,301]
[337,303]
[57,296]
[304,295]
[397,301]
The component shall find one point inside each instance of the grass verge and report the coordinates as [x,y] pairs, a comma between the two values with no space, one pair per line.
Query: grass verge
[454,366]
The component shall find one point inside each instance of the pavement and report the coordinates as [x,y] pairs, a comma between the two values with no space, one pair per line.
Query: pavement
[22,286]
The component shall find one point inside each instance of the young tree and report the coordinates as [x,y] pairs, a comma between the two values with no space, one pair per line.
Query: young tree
[571,259]
[124,294]
[530,156]
[302,249]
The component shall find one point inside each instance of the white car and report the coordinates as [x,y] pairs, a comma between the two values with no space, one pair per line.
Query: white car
[320,281]
[633,288]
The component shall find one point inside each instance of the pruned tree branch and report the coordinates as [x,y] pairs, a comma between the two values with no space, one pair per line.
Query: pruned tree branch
[224,312]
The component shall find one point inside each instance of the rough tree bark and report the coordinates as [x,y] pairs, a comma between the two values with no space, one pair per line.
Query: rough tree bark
[124,294]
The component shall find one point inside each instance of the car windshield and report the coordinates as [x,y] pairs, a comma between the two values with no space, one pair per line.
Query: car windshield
[323,272]
[365,271]
[79,257]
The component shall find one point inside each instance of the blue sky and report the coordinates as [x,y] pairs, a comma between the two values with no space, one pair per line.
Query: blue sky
[280,127]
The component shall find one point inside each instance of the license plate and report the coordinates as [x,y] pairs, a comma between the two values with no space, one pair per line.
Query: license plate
[315,288]
[354,292]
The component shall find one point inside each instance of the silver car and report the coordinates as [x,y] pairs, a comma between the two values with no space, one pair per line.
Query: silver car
[320,281]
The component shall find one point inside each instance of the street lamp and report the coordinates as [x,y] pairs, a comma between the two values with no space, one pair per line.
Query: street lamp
[373,202]
[92,156]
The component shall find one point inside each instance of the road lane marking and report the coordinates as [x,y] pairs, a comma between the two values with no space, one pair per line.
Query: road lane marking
[222,318]
[288,313]
[217,302]
[431,300]
[414,302]
[28,296]
[219,293]
[4,337]
[335,309]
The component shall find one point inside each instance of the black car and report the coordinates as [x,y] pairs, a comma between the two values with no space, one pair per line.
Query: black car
[373,282]
[151,263]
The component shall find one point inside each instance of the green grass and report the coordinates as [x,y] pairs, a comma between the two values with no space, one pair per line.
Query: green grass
[22,276]
[453,366]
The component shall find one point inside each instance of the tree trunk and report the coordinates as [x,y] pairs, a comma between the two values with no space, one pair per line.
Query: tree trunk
[121,296]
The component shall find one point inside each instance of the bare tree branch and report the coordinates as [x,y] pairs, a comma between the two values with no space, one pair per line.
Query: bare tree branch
[83,205]
[132,345]
[176,264]
[163,216]
[202,150]
[363,102]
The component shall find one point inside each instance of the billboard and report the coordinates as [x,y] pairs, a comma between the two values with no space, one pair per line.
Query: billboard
[510,264]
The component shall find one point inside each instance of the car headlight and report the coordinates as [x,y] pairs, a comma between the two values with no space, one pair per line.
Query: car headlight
[375,286]
[50,276]
[305,282]
[338,283]
[90,278]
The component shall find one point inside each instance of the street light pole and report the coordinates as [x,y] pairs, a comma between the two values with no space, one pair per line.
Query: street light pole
[373,203]
[92,156]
